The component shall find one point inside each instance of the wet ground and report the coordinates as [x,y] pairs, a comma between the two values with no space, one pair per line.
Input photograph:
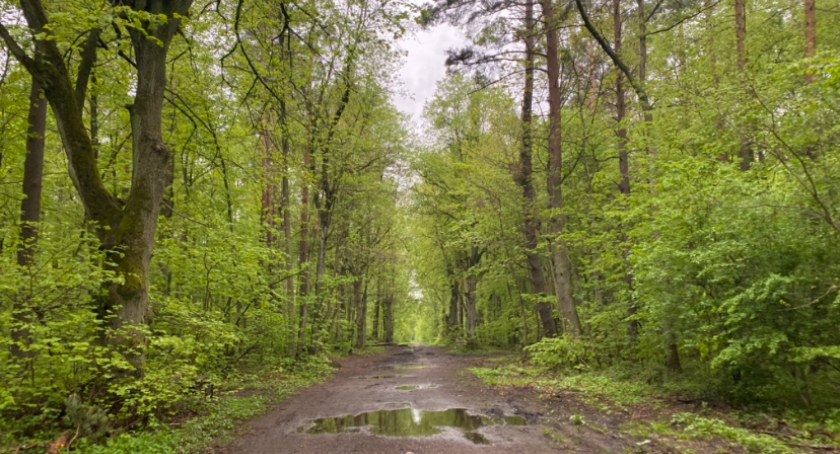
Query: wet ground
[418,400]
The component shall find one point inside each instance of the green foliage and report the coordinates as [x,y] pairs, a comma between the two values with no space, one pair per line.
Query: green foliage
[604,390]
[695,426]
[561,354]
[289,229]
[230,288]
[220,415]
[509,375]
[91,423]
[53,302]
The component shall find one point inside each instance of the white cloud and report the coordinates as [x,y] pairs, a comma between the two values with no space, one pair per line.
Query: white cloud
[424,67]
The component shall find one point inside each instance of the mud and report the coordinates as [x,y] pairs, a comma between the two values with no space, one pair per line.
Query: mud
[362,409]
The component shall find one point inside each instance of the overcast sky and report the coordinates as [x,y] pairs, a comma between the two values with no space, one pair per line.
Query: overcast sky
[423,67]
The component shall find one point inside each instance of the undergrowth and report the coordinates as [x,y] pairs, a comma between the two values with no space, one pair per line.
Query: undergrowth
[616,391]
[243,396]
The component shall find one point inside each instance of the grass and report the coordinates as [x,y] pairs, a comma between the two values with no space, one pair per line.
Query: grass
[195,435]
[370,350]
[463,349]
[608,392]
[690,426]
[603,391]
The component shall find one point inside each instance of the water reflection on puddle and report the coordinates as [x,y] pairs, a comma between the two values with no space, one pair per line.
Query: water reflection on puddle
[410,366]
[410,422]
[414,387]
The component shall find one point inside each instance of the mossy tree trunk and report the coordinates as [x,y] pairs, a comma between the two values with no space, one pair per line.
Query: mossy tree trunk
[126,230]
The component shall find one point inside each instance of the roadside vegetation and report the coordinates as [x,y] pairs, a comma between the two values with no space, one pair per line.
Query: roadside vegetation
[674,414]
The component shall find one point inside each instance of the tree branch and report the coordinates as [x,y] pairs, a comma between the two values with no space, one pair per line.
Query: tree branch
[86,65]
[638,88]
[15,49]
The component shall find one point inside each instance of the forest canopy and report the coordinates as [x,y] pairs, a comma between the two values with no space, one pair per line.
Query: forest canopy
[193,189]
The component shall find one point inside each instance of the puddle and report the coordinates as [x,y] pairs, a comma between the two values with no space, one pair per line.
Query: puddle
[414,387]
[409,422]
[410,366]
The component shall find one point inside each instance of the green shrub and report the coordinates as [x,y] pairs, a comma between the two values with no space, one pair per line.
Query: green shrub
[561,354]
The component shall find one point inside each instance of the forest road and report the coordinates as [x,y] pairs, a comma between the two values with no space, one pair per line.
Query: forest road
[419,400]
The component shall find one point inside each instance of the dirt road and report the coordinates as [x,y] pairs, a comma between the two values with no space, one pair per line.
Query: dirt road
[417,400]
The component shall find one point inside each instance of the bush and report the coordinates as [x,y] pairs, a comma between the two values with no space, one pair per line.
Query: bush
[561,354]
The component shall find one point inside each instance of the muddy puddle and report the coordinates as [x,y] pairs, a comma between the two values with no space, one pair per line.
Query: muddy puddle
[415,387]
[410,366]
[410,422]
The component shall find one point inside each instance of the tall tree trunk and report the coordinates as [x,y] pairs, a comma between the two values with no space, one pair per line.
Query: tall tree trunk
[741,44]
[810,32]
[377,305]
[471,297]
[470,300]
[624,163]
[134,237]
[30,210]
[560,251]
[286,206]
[324,223]
[711,52]
[810,28]
[361,312]
[303,253]
[708,19]
[620,107]
[388,317]
[269,192]
[741,34]
[524,180]
[454,298]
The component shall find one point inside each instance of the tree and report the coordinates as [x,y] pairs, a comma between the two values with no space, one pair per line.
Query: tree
[562,262]
[30,206]
[126,229]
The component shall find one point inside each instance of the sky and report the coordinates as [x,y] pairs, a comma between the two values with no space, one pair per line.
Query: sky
[423,67]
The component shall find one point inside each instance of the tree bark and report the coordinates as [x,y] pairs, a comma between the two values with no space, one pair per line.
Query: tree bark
[741,45]
[377,306]
[620,106]
[269,193]
[388,317]
[524,180]
[810,28]
[560,251]
[471,316]
[361,311]
[454,297]
[303,252]
[33,170]
[30,210]
[624,161]
[741,34]
[810,33]
[286,206]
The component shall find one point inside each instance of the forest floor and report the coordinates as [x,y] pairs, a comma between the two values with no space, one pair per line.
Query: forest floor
[427,400]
